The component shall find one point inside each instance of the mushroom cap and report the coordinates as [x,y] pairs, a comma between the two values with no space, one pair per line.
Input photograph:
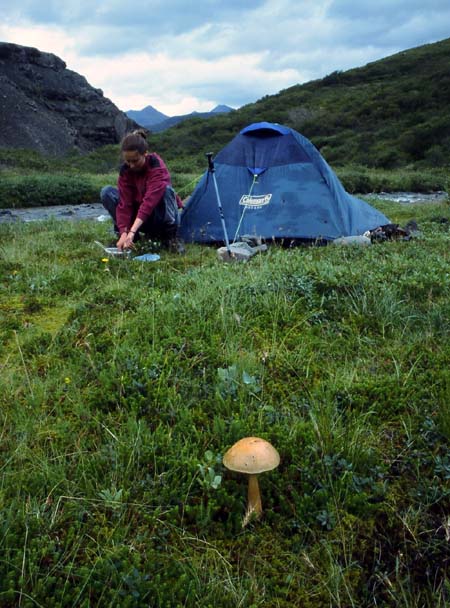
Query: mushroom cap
[251,455]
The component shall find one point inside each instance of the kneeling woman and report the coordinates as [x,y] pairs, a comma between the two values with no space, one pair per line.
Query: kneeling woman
[144,200]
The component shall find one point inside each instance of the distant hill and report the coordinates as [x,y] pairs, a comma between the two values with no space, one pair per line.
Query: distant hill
[48,108]
[147,116]
[174,120]
[221,109]
[394,112]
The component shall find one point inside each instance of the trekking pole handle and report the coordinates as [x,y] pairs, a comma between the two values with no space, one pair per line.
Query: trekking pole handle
[210,161]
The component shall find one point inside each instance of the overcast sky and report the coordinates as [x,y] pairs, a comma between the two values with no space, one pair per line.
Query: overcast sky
[180,55]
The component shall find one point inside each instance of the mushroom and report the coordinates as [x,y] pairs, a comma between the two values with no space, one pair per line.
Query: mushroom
[252,455]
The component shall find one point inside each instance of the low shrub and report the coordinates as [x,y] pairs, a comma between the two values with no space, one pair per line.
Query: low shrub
[40,190]
[357,178]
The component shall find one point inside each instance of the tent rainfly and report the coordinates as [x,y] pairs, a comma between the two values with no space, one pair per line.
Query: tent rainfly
[274,185]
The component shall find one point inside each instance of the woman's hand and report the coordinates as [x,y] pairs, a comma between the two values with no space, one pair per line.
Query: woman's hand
[125,241]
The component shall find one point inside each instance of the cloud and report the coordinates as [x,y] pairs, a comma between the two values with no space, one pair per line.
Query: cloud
[228,80]
[178,59]
[154,17]
[46,38]
[386,25]
[370,9]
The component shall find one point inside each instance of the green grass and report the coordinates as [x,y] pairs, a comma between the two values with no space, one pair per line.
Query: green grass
[123,383]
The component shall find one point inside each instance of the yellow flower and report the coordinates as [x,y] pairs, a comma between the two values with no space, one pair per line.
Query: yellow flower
[67,380]
[105,260]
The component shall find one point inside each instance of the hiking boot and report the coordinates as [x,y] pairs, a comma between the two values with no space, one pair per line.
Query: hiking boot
[176,245]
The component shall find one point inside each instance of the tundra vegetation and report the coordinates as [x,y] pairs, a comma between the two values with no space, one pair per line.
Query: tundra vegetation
[123,384]
[29,179]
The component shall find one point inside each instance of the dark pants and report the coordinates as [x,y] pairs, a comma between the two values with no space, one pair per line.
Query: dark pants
[163,222]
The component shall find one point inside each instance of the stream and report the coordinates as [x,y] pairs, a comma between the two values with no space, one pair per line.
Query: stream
[95,211]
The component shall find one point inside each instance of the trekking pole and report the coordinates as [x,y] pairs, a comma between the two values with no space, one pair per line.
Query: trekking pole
[212,170]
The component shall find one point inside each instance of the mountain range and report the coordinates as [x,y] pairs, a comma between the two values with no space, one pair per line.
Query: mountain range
[147,116]
[156,121]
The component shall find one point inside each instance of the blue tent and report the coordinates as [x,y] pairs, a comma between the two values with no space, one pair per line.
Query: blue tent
[274,184]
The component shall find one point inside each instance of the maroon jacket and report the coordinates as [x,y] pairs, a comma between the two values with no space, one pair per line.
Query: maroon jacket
[140,191]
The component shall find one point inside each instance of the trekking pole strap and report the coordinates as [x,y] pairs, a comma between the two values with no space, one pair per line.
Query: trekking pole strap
[209,156]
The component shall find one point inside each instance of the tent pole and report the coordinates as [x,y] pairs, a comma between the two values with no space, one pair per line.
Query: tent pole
[212,170]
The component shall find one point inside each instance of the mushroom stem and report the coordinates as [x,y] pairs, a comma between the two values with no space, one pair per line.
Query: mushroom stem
[254,507]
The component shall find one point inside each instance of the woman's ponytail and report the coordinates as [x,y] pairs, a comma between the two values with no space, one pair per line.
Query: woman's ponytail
[137,140]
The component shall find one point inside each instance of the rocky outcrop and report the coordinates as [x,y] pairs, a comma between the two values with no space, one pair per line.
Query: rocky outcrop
[48,108]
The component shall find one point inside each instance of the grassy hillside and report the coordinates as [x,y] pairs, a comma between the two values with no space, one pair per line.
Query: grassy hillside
[123,383]
[391,113]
